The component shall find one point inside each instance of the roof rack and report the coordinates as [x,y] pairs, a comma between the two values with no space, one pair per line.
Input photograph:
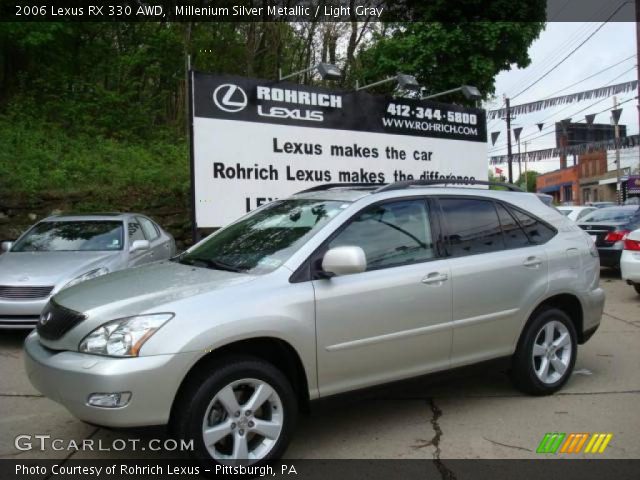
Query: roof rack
[450,181]
[353,186]
[387,187]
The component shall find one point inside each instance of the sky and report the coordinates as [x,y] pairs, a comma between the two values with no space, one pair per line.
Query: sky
[613,43]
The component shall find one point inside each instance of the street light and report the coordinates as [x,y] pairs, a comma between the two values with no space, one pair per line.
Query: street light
[470,93]
[327,71]
[404,81]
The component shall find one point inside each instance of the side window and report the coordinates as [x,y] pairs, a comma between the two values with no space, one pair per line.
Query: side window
[537,231]
[514,236]
[472,226]
[149,228]
[392,234]
[135,232]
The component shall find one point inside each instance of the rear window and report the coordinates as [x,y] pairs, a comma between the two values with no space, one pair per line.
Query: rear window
[611,214]
[537,231]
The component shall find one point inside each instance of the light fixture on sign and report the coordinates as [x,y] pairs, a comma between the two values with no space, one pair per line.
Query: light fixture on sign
[404,81]
[327,71]
[470,92]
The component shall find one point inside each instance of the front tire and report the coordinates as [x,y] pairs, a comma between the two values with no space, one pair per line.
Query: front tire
[546,353]
[242,411]
[637,287]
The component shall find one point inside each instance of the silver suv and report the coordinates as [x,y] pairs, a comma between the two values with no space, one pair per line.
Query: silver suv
[333,289]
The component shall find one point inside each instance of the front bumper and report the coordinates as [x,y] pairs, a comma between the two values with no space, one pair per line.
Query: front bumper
[21,313]
[70,377]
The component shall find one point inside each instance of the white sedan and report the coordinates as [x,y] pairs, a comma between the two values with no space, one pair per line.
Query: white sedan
[576,213]
[630,260]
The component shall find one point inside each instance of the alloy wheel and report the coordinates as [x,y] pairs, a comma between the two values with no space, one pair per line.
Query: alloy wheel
[552,351]
[243,422]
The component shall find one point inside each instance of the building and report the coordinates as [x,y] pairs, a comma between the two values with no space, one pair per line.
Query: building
[597,182]
[589,178]
[563,185]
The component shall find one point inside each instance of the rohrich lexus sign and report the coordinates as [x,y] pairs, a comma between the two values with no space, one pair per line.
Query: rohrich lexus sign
[254,141]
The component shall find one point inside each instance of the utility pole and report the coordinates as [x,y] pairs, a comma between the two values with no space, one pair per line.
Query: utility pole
[526,176]
[617,135]
[519,157]
[509,155]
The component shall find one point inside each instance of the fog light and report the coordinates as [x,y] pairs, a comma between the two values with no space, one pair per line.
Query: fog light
[109,400]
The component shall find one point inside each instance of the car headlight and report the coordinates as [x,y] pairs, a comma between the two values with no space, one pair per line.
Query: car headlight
[123,337]
[98,272]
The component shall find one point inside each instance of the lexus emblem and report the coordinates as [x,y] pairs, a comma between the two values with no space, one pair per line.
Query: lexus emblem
[230,98]
[45,317]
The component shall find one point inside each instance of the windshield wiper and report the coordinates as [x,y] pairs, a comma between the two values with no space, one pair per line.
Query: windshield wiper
[209,263]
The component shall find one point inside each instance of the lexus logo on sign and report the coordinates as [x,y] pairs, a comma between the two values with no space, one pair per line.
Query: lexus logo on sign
[230,98]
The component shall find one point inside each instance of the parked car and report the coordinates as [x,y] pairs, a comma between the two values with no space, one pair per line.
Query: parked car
[61,251]
[330,290]
[608,227]
[575,213]
[630,260]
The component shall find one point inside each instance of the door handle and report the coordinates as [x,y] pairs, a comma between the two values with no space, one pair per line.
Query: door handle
[435,278]
[532,262]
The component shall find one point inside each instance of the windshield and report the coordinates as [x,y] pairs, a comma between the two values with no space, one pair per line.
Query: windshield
[610,215]
[261,242]
[72,236]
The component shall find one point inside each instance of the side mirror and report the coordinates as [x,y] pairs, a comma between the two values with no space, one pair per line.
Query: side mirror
[139,245]
[6,246]
[344,261]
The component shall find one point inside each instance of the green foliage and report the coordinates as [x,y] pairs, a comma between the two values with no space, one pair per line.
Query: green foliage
[102,106]
[36,158]
[447,55]
[530,179]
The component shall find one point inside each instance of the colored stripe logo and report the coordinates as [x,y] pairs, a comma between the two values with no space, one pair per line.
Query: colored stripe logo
[557,442]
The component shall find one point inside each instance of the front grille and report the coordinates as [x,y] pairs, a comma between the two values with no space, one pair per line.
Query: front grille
[18,321]
[24,293]
[58,321]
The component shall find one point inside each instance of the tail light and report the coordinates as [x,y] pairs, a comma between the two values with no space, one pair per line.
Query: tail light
[632,245]
[613,237]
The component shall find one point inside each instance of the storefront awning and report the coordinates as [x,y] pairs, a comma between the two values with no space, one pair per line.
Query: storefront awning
[554,188]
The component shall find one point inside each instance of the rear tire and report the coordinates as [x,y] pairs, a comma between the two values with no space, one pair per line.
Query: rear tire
[240,411]
[546,353]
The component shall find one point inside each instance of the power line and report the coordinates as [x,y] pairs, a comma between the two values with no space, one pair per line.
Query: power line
[550,58]
[573,84]
[591,76]
[530,139]
[500,147]
[559,11]
[571,52]
[602,111]
[569,42]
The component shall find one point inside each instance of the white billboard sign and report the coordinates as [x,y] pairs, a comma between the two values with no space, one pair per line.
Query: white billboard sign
[255,141]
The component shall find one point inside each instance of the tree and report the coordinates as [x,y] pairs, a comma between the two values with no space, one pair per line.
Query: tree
[531,177]
[443,55]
